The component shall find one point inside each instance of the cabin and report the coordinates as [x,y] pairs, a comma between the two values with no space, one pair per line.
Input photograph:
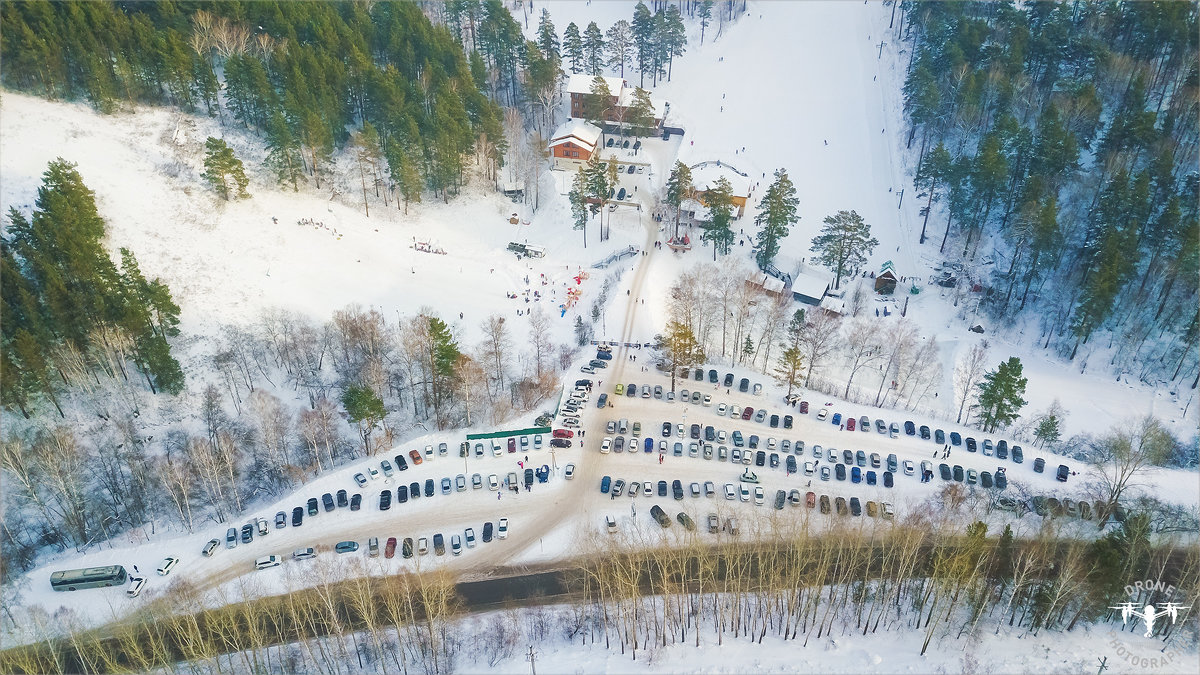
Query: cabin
[886,280]
[579,87]
[706,174]
[572,144]
[809,288]
[766,282]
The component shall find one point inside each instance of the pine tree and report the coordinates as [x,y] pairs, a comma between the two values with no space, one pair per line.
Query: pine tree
[1000,395]
[679,188]
[547,39]
[844,243]
[283,156]
[930,175]
[619,44]
[791,360]
[1047,431]
[639,118]
[776,215]
[705,14]
[593,50]
[221,166]
[719,201]
[578,199]
[597,106]
[572,45]
[747,348]
[643,40]
[404,174]
[365,409]
[680,348]
[674,37]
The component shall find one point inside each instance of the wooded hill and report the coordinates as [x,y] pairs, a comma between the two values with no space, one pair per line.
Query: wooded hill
[301,74]
[1067,134]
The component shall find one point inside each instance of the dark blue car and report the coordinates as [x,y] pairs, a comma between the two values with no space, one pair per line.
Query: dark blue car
[855,474]
[837,418]
[605,483]
[870,478]
[649,445]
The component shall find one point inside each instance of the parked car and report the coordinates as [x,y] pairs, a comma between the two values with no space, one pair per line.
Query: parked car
[439,544]
[803,407]
[211,547]
[360,479]
[1039,465]
[971,445]
[1018,455]
[312,506]
[822,414]
[850,421]
[837,418]
[958,473]
[343,499]
[939,437]
[1062,473]
[864,423]
[910,429]
[327,501]
[346,546]
[944,469]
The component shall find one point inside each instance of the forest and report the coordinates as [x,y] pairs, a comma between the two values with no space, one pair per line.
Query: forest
[1066,133]
[298,74]
[940,575]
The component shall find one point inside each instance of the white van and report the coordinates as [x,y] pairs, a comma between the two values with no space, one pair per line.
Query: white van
[267,561]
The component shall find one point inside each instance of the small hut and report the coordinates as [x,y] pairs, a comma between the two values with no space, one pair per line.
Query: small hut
[886,280]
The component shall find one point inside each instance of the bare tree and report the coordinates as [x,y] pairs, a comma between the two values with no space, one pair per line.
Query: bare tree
[967,373]
[495,347]
[1119,457]
[820,337]
[539,339]
[862,348]
[898,340]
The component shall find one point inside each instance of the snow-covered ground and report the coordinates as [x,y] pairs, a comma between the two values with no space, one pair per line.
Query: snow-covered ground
[779,86]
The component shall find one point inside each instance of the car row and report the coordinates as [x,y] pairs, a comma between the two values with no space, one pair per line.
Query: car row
[408,548]
[714,378]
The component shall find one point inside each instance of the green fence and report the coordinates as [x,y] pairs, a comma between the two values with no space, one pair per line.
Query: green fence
[506,434]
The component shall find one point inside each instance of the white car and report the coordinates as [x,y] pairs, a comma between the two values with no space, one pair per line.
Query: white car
[469,536]
[570,422]
[502,528]
[822,413]
[429,452]
[606,445]
[167,565]
[679,431]
[493,482]
[809,468]
[497,451]
[610,524]
[909,469]
[722,409]
[707,400]
[570,472]
[136,584]
[374,473]
[771,443]
[735,411]
[721,436]
[759,496]
[745,492]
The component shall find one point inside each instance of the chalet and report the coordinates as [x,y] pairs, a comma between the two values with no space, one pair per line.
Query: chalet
[764,281]
[579,87]
[705,176]
[809,288]
[886,280]
[573,143]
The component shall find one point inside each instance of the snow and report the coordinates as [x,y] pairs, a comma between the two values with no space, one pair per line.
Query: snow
[586,133]
[582,84]
[229,262]
[810,285]
[705,175]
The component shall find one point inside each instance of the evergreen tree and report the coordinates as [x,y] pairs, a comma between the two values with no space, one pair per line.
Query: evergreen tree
[572,45]
[679,188]
[747,348]
[404,174]
[1000,395]
[673,37]
[639,118]
[1047,431]
[597,106]
[221,166]
[364,409]
[578,199]
[844,243]
[988,177]
[790,369]
[719,201]
[593,50]
[643,40]
[547,39]
[283,152]
[776,215]
[680,348]
[931,175]
[619,43]
[705,14]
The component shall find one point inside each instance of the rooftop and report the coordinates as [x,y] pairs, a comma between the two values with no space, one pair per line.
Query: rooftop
[809,284]
[582,84]
[581,130]
[705,174]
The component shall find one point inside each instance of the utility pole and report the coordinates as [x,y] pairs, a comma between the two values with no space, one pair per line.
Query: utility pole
[893,19]
[901,199]
[881,44]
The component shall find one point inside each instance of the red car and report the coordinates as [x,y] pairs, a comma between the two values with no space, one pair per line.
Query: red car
[564,433]
[811,499]
[849,424]
[803,407]
[512,445]
[390,549]
[416,457]
[747,412]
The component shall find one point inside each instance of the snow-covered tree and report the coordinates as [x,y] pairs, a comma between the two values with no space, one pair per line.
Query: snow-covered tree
[1001,395]
[776,214]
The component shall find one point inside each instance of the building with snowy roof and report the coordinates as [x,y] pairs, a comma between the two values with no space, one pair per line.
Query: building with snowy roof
[706,174]
[573,142]
[809,288]
[579,87]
